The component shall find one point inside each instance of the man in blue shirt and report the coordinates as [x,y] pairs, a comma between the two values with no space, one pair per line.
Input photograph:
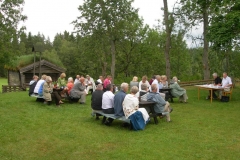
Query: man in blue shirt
[118,100]
[160,106]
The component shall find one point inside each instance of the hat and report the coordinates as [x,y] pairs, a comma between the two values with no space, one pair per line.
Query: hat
[214,74]
[87,76]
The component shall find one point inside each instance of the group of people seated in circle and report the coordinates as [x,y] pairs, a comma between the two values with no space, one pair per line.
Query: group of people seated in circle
[48,90]
[124,104]
[103,97]
[162,83]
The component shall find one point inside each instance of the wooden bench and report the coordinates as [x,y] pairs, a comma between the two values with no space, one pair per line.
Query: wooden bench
[169,95]
[36,96]
[123,118]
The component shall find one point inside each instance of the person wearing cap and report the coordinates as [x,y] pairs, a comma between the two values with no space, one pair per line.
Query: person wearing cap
[90,84]
[217,82]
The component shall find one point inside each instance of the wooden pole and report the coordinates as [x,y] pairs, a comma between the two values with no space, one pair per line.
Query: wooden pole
[40,74]
[34,63]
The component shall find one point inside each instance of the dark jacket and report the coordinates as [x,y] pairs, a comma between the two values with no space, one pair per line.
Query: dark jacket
[218,80]
[97,100]
[118,100]
[31,88]
[160,102]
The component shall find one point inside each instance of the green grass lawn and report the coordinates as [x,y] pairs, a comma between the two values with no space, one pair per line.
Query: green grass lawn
[199,130]
[3,81]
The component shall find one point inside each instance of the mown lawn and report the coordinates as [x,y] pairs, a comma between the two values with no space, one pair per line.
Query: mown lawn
[200,130]
[3,81]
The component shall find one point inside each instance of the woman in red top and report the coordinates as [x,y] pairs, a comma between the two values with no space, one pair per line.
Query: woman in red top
[106,82]
[69,85]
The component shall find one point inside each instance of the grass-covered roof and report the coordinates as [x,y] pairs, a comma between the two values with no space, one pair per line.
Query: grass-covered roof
[24,60]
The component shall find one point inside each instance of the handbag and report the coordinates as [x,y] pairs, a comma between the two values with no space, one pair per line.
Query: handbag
[225,99]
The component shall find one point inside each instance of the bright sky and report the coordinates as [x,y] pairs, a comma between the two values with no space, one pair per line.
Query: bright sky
[54,16]
[50,17]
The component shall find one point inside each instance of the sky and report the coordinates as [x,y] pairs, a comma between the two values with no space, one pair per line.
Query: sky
[50,17]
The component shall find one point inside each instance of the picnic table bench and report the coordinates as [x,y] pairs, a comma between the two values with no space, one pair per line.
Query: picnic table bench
[169,95]
[123,118]
[149,106]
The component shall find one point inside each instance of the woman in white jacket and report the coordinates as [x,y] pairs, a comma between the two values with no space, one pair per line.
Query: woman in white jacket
[130,105]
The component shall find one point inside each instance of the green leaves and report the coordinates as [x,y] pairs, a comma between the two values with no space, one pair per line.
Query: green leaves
[10,16]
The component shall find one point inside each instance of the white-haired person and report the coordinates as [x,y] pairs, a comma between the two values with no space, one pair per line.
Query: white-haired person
[90,84]
[49,94]
[138,116]
[217,82]
[157,81]
[134,82]
[108,103]
[226,84]
[118,100]
[78,91]
[177,91]
[160,106]
[142,94]
[70,85]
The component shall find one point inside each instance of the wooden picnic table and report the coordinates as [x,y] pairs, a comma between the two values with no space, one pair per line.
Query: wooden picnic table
[210,88]
[169,95]
[149,106]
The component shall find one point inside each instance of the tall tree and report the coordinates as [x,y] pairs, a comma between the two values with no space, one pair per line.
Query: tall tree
[224,32]
[194,12]
[10,16]
[168,22]
[108,17]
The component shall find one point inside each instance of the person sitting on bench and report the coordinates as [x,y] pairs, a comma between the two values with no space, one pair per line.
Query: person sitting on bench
[96,100]
[107,103]
[106,82]
[78,91]
[142,95]
[49,94]
[161,105]
[118,100]
[90,84]
[138,116]
[39,83]
[177,91]
[32,84]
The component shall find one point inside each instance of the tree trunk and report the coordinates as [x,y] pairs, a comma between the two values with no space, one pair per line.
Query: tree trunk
[168,40]
[228,53]
[104,69]
[206,72]
[113,53]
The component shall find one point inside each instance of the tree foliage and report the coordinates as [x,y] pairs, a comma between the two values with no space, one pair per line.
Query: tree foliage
[10,16]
